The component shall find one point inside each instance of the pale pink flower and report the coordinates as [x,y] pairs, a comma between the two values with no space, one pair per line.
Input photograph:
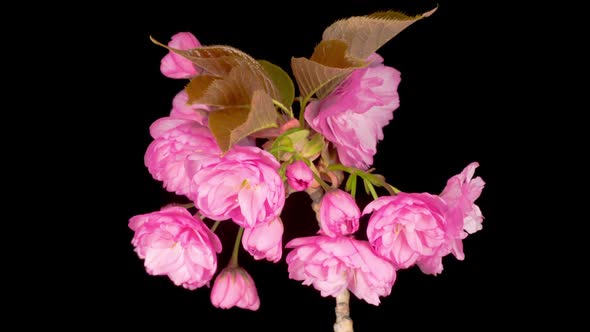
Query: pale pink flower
[176,244]
[406,227]
[244,186]
[299,176]
[463,216]
[174,141]
[339,214]
[181,109]
[265,240]
[433,264]
[234,287]
[333,264]
[460,194]
[177,66]
[354,114]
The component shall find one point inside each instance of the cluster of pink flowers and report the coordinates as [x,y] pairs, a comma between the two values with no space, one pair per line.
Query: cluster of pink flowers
[248,185]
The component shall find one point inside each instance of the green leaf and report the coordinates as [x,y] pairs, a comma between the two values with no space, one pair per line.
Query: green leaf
[234,90]
[312,76]
[372,190]
[315,145]
[351,184]
[198,87]
[366,34]
[262,115]
[282,171]
[223,122]
[332,53]
[282,81]
[298,137]
[366,184]
[244,107]
[328,66]
[289,142]
[229,125]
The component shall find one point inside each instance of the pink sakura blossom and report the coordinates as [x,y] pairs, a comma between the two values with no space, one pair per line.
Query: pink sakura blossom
[406,227]
[354,114]
[339,214]
[234,287]
[460,194]
[177,66]
[244,186]
[433,264]
[265,240]
[299,176]
[463,217]
[176,244]
[333,264]
[174,141]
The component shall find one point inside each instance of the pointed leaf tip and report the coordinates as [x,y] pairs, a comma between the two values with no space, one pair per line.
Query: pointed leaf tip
[366,34]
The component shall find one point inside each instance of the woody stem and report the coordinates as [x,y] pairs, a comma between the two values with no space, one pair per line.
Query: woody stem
[343,320]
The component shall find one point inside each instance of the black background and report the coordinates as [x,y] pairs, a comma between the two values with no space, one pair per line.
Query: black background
[459,68]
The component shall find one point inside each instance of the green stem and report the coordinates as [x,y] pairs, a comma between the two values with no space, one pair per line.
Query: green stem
[215,225]
[372,190]
[315,172]
[284,108]
[234,256]
[365,175]
[322,183]
[340,167]
[391,189]
[302,104]
[187,205]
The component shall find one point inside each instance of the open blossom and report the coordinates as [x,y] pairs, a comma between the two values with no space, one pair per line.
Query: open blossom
[265,240]
[234,287]
[299,176]
[463,217]
[460,194]
[174,141]
[244,186]
[339,214]
[407,227]
[354,114]
[176,66]
[333,264]
[433,264]
[175,244]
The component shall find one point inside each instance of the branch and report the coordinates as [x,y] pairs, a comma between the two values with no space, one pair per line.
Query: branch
[343,320]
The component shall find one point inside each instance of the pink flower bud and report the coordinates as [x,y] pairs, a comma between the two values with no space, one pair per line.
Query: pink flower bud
[234,287]
[177,66]
[265,240]
[299,176]
[339,214]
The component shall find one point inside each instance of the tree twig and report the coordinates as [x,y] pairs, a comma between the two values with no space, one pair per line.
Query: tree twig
[343,320]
